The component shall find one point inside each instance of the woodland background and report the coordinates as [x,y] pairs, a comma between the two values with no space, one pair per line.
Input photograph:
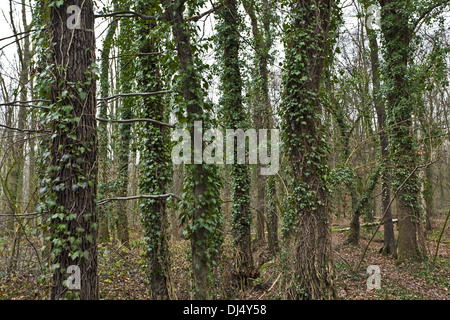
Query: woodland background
[86,178]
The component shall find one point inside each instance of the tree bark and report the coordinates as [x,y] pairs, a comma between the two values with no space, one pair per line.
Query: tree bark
[389,246]
[306,51]
[103,139]
[126,76]
[155,168]
[395,26]
[236,117]
[263,118]
[74,152]
[203,214]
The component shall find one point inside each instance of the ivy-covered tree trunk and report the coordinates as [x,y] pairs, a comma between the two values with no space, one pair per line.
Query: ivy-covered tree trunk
[202,182]
[389,246]
[306,43]
[126,79]
[72,170]
[155,170]
[264,47]
[347,170]
[103,140]
[262,115]
[395,26]
[236,117]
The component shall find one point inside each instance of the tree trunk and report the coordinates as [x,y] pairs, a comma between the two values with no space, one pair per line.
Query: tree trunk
[202,180]
[389,246]
[306,52]
[103,141]
[428,195]
[155,168]
[236,117]
[73,158]
[126,76]
[272,215]
[262,112]
[397,35]
[345,133]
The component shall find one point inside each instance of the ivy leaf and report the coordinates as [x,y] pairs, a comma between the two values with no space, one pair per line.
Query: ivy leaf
[82,94]
[74,255]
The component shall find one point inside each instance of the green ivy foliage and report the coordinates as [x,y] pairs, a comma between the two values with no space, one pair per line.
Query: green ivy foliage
[201,205]
[233,113]
[62,157]
[154,144]
[304,137]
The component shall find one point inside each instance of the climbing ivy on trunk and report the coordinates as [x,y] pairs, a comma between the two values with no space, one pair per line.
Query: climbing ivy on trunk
[201,207]
[126,81]
[235,117]
[69,184]
[307,220]
[155,168]
[397,35]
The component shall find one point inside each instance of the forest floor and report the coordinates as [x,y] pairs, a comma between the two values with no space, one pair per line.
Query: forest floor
[121,271]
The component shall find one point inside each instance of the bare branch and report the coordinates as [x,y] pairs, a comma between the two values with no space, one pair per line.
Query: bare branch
[136,94]
[26,106]
[125,14]
[24,102]
[143,196]
[22,214]
[18,34]
[12,42]
[22,130]
[140,54]
[418,23]
[120,95]
[198,17]
[138,120]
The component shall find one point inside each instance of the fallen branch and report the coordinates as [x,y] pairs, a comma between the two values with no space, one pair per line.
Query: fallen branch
[271,287]
[368,224]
